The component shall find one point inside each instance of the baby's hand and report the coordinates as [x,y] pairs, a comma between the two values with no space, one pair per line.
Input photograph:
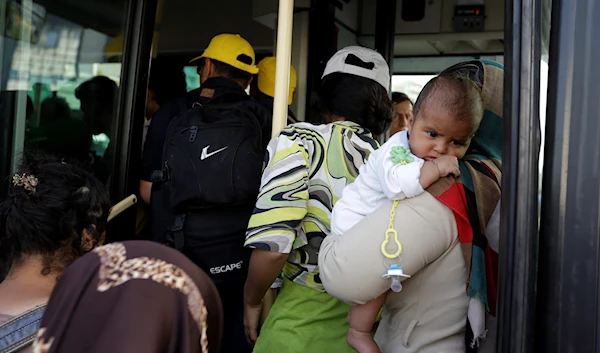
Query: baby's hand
[438,168]
[447,165]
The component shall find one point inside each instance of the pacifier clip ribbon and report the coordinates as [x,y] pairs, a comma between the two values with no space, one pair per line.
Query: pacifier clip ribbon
[394,271]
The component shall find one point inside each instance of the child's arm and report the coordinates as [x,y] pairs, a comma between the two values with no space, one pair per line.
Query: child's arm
[441,167]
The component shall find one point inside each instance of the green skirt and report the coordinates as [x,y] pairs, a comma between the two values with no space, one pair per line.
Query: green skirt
[304,320]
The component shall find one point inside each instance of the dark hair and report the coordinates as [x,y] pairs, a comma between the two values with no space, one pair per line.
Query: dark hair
[167,80]
[50,220]
[99,90]
[355,98]
[398,97]
[456,94]
[54,109]
[230,72]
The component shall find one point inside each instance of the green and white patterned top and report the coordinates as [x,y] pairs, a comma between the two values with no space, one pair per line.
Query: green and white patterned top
[306,170]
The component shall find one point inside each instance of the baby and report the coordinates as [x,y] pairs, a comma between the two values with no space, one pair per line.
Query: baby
[446,116]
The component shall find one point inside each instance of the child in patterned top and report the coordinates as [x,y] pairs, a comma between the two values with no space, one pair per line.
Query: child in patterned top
[447,114]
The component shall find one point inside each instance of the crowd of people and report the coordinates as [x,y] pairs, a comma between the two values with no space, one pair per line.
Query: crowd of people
[315,240]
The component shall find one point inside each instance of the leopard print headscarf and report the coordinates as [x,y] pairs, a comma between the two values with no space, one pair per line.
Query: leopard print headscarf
[132,296]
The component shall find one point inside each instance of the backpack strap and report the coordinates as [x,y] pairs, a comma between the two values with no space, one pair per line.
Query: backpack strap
[20,331]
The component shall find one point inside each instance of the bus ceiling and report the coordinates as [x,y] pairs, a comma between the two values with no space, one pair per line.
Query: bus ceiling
[422,28]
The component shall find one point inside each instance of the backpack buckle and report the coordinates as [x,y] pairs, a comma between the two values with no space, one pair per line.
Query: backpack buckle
[176,238]
[161,175]
[193,133]
[157,176]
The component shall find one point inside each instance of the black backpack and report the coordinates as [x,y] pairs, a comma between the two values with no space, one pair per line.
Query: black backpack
[212,165]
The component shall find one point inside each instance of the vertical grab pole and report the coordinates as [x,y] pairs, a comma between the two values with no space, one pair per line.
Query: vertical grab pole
[285,20]
[280,101]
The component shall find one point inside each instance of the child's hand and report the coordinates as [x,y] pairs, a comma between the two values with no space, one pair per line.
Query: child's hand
[438,168]
[447,165]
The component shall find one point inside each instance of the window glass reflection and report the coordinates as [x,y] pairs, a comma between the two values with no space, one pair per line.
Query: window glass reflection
[546,13]
[192,78]
[60,80]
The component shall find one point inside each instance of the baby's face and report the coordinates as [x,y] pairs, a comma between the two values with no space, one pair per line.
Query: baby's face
[434,133]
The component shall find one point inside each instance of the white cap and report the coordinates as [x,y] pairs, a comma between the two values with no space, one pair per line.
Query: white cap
[380,72]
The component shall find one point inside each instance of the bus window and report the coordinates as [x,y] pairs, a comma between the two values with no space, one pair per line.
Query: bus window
[191,77]
[60,80]
[546,11]
[411,85]
[543,101]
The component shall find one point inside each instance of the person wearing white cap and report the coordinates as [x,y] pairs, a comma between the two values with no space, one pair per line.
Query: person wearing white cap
[307,167]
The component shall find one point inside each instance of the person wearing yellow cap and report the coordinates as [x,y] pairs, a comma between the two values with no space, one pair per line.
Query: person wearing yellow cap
[225,67]
[263,88]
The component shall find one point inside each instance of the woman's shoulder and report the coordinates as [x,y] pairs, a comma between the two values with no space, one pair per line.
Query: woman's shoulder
[297,133]
[14,327]
[349,136]
[309,127]
[4,318]
[303,131]
[340,127]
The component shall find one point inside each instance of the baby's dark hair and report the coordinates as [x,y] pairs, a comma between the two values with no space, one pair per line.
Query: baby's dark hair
[355,98]
[457,94]
[49,221]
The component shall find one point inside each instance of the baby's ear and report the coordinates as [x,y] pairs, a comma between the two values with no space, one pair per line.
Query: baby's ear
[411,123]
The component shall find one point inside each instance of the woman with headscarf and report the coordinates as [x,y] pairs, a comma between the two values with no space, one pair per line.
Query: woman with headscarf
[134,296]
[307,168]
[449,242]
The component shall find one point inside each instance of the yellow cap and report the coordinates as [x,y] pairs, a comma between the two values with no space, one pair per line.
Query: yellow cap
[114,48]
[266,78]
[227,48]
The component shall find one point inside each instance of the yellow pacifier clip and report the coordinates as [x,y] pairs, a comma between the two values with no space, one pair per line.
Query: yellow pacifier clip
[391,231]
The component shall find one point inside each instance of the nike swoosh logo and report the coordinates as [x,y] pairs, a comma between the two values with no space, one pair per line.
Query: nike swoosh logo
[204,155]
